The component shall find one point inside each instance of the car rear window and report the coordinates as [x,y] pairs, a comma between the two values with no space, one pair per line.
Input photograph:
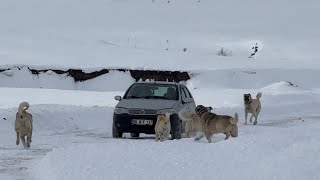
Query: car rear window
[152,91]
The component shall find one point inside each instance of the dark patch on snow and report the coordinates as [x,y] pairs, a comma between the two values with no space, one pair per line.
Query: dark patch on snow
[250,72]
[292,84]
[2,70]
[157,75]
[171,76]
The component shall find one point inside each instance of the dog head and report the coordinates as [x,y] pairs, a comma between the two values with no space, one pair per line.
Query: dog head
[234,132]
[247,98]
[200,109]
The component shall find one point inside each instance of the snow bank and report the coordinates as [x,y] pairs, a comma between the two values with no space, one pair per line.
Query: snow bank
[205,79]
[252,78]
[22,77]
[282,87]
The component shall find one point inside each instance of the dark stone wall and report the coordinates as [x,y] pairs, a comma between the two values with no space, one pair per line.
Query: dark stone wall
[158,75]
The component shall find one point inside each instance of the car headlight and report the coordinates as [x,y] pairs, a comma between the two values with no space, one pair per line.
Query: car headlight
[164,111]
[121,111]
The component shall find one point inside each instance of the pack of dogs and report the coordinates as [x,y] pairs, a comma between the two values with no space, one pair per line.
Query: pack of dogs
[208,123]
[203,121]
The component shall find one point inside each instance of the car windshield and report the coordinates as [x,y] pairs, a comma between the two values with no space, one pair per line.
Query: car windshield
[152,91]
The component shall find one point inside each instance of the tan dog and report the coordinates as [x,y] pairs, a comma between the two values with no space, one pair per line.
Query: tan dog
[213,124]
[252,106]
[163,127]
[193,124]
[23,125]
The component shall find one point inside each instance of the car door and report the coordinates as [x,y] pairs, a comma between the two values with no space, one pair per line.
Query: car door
[187,99]
[191,102]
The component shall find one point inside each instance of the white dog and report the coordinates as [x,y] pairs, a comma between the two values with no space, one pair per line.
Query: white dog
[23,125]
[252,106]
[163,127]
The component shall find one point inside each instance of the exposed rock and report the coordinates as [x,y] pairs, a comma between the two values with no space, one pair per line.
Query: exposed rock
[79,75]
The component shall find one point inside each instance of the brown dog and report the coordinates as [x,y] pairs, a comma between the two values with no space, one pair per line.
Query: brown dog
[162,127]
[193,124]
[23,125]
[212,123]
[252,106]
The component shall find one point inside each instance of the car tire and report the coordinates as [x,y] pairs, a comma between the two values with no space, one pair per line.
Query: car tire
[116,133]
[134,135]
[176,127]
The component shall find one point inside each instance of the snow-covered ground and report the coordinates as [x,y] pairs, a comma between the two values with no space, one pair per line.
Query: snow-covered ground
[72,121]
[73,140]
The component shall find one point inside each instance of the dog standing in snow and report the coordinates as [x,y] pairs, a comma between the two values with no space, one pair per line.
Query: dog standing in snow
[162,127]
[193,122]
[252,106]
[23,125]
[213,124]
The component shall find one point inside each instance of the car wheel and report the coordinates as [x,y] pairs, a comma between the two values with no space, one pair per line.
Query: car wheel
[176,127]
[116,133]
[134,135]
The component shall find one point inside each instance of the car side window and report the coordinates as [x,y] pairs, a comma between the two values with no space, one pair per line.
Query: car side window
[188,92]
[183,94]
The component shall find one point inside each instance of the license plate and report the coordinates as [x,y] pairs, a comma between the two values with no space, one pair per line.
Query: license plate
[142,122]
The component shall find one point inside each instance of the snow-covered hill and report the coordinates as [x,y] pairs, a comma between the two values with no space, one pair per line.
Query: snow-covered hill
[136,33]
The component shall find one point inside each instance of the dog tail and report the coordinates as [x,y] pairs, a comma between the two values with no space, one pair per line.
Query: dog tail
[23,106]
[259,95]
[235,119]
[184,115]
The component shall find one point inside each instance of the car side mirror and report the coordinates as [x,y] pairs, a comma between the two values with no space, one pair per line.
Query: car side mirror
[118,98]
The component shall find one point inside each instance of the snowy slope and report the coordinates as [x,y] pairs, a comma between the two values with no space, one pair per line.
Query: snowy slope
[134,34]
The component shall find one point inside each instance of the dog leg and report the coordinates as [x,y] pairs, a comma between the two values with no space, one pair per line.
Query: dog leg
[157,137]
[246,116]
[251,117]
[208,136]
[167,135]
[161,137]
[227,136]
[28,140]
[23,140]
[187,134]
[31,136]
[188,130]
[255,119]
[18,139]
[199,137]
